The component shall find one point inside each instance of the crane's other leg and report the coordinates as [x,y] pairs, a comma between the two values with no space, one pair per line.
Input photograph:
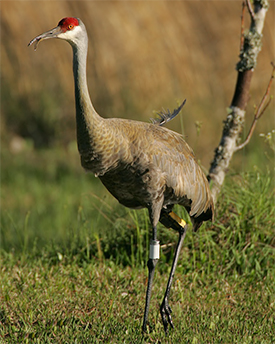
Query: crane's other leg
[151,264]
[154,213]
[173,221]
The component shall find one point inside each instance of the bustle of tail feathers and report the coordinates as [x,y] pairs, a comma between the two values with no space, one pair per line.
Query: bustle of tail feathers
[198,221]
[165,117]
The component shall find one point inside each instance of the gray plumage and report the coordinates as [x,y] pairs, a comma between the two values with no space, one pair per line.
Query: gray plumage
[141,164]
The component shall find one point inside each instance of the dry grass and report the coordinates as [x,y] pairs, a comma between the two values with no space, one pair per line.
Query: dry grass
[143,56]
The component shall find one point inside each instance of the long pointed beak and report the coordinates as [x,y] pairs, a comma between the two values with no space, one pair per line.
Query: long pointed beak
[46,35]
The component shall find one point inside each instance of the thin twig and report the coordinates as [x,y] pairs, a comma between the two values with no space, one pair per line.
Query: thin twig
[267,91]
[250,9]
[259,111]
[242,26]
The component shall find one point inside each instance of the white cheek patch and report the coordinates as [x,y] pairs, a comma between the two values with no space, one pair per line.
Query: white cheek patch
[70,34]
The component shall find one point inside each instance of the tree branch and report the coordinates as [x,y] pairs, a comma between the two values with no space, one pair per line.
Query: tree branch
[242,26]
[250,48]
[250,9]
[259,111]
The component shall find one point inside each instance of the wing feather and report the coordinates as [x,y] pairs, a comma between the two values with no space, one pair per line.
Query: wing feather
[175,159]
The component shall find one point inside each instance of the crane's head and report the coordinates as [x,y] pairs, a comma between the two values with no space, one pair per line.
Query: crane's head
[69,29]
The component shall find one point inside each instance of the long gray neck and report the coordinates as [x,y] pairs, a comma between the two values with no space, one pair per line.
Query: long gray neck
[87,119]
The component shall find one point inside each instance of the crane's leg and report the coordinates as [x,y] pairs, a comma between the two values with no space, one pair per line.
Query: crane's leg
[154,214]
[151,264]
[173,221]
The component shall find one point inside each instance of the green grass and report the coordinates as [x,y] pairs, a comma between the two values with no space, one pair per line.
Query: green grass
[66,303]
[73,262]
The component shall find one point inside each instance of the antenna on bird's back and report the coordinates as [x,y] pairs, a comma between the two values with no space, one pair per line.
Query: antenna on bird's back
[165,117]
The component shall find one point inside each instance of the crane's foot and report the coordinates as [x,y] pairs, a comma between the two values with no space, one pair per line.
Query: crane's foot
[147,328]
[165,311]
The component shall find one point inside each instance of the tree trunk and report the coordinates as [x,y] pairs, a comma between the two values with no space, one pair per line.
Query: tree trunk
[233,124]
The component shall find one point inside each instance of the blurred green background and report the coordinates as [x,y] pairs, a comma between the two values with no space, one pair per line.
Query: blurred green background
[143,56]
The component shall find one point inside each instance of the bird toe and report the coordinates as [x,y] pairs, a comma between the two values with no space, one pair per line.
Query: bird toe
[165,311]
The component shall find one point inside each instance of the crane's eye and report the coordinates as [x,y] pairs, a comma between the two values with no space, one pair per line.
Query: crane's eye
[70,26]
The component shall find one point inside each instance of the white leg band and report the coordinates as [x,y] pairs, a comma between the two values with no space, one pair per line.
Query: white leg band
[154,249]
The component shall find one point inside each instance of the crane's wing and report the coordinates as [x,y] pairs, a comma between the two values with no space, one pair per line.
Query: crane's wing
[163,159]
[184,177]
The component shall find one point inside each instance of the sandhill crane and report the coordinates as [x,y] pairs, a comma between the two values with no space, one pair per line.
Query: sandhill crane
[143,165]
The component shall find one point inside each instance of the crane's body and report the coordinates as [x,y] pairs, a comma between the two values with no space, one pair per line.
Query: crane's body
[141,164]
[138,162]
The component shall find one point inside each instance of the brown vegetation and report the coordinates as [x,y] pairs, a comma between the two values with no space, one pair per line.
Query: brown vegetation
[142,56]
